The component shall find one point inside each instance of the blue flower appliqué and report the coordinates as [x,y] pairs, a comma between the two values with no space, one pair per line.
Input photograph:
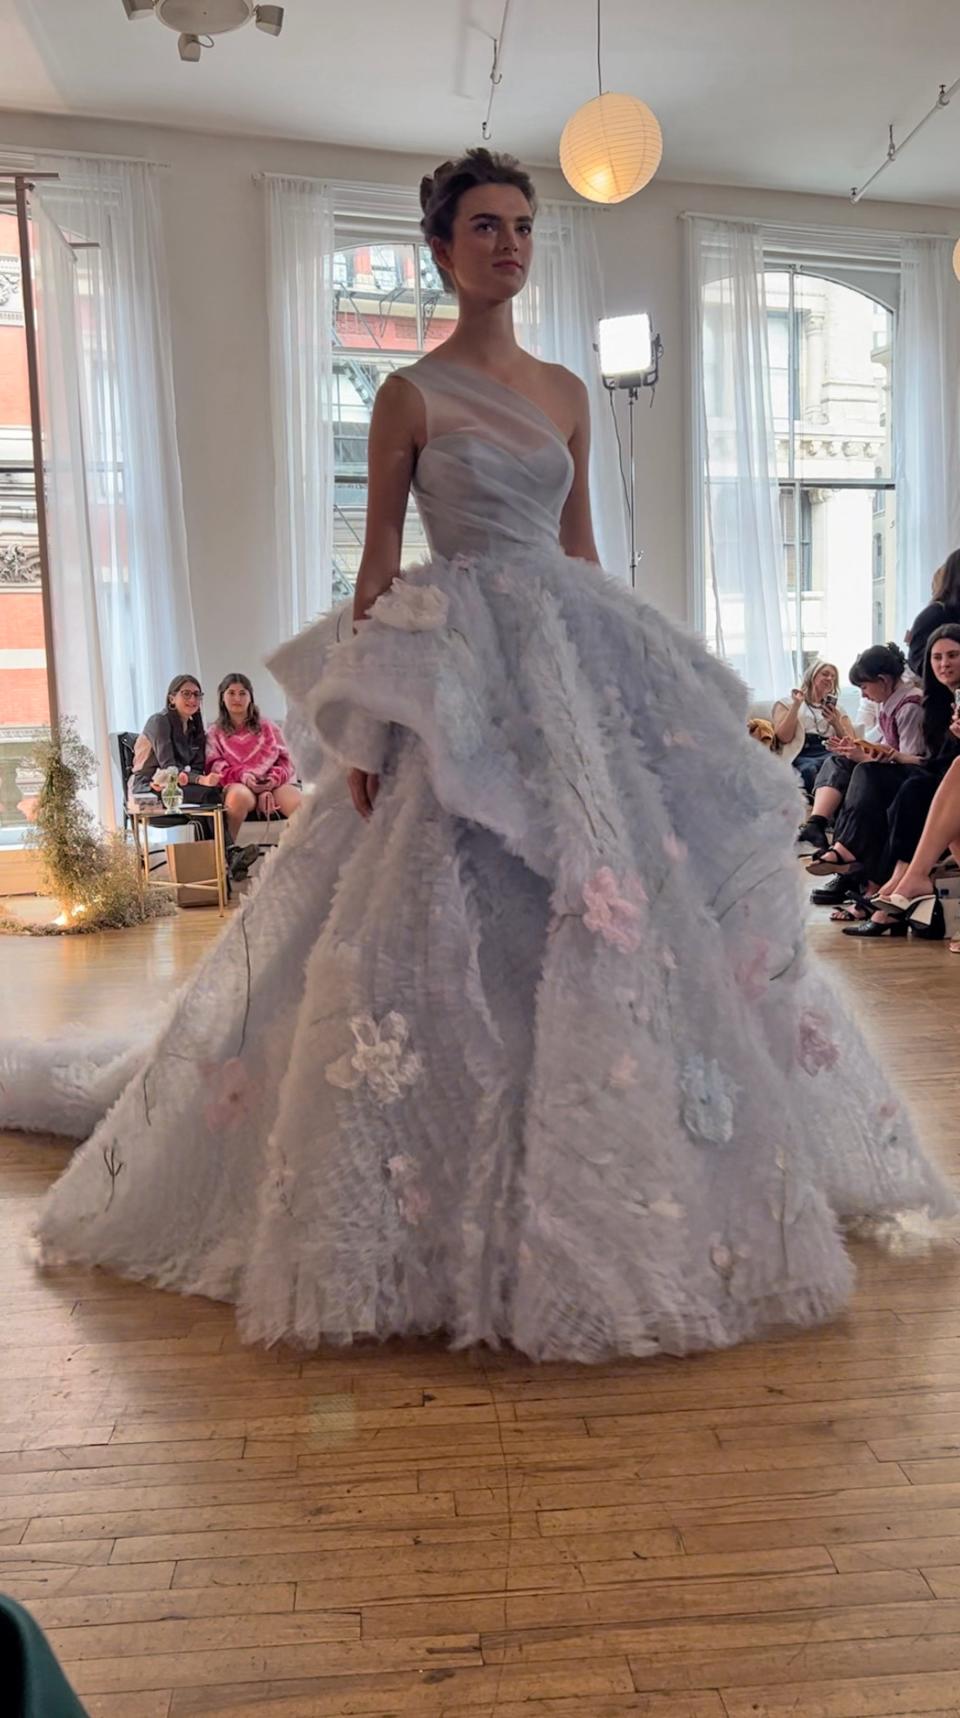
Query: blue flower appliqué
[708,1101]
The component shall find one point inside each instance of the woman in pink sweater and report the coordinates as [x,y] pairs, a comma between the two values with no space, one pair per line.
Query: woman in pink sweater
[248,756]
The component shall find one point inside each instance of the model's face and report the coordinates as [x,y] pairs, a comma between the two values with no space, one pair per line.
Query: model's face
[878,691]
[186,701]
[237,701]
[824,682]
[491,249]
[945,661]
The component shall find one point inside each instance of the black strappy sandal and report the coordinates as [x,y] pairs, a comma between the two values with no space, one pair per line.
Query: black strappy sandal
[824,866]
[852,912]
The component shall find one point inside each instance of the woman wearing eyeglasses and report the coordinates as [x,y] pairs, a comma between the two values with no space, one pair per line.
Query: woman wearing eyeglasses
[174,739]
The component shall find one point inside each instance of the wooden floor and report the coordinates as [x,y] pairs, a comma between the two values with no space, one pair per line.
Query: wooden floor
[206,1530]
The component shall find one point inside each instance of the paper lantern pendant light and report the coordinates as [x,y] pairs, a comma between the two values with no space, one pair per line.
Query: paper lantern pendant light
[956,259]
[611,148]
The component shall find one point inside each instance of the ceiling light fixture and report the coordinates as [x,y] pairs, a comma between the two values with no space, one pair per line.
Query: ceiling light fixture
[612,146]
[197,22]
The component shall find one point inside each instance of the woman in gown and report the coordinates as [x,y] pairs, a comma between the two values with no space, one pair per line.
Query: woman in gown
[531,1051]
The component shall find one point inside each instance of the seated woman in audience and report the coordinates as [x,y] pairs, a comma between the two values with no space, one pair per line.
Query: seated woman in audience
[944,610]
[882,678]
[174,739]
[888,800]
[804,722]
[248,757]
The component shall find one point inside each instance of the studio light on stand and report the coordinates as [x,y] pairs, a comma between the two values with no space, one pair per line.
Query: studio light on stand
[629,354]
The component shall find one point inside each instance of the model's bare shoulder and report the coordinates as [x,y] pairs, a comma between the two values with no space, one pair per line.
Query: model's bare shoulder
[399,410]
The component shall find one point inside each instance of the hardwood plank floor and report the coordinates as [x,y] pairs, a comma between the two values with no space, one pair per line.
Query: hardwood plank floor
[207,1531]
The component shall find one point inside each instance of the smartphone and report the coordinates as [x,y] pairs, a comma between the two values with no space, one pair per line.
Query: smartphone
[830,701]
[956,702]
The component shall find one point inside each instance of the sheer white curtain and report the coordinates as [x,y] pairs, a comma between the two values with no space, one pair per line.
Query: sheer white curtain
[926,394]
[144,607]
[77,654]
[300,248]
[735,516]
[557,316]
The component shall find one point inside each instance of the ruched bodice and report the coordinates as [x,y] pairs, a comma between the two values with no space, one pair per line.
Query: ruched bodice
[495,468]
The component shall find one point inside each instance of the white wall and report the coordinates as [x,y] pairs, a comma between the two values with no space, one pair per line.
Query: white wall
[213,213]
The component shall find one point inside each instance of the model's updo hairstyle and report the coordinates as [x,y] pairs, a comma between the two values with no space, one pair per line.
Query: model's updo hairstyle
[440,191]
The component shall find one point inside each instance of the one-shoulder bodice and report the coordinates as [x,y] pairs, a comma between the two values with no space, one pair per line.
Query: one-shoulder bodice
[494,470]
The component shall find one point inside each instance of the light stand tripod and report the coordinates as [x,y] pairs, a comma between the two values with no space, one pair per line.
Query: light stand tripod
[633,383]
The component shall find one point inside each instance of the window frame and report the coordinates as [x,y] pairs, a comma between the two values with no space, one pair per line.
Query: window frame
[349,240]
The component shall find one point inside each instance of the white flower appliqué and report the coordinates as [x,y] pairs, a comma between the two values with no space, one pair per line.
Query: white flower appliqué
[412,608]
[413,1202]
[727,1260]
[379,1059]
[708,1101]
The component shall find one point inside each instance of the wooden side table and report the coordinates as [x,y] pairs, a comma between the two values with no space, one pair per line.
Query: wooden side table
[141,817]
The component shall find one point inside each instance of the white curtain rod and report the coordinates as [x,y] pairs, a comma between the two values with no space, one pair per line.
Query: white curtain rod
[347,186]
[30,155]
[811,230]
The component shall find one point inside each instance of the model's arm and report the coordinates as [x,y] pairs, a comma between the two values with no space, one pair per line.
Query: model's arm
[576,524]
[395,437]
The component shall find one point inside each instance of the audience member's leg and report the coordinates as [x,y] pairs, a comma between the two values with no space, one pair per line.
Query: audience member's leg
[892,884]
[940,831]
[239,803]
[829,790]
[862,831]
[806,768]
[287,798]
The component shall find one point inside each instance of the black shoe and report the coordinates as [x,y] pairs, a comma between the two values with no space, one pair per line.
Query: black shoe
[812,836]
[876,928]
[239,861]
[935,930]
[834,893]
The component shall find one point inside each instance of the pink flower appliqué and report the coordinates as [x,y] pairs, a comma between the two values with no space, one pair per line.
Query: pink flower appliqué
[614,910]
[624,1072]
[751,973]
[817,1049]
[229,1093]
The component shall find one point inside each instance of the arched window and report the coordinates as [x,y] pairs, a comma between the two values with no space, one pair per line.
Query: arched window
[830,351]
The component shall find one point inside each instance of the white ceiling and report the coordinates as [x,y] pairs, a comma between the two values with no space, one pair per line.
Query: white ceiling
[795,94]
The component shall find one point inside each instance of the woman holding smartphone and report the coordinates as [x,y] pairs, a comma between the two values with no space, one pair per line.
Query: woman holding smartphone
[810,717]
